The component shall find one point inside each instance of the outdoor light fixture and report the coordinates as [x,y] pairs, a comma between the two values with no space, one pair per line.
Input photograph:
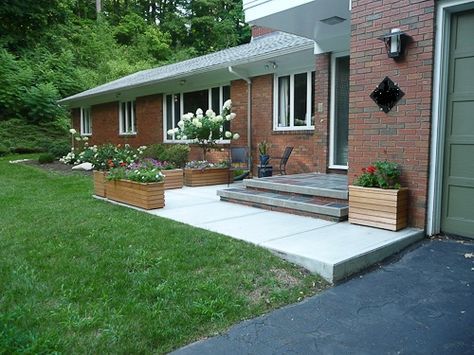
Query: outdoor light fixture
[395,43]
[271,65]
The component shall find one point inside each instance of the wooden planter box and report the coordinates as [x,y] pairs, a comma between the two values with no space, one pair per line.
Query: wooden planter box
[206,177]
[148,196]
[381,208]
[99,183]
[173,179]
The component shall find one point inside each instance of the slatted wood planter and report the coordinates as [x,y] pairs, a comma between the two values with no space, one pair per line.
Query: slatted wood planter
[147,196]
[99,183]
[173,179]
[206,177]
[381,208]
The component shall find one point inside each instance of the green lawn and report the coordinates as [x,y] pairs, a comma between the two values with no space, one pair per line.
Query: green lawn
[78,275]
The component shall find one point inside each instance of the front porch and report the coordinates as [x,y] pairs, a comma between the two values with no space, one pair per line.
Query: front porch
[332,249]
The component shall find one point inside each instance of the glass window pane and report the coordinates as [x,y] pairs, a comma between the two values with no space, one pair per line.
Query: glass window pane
[216,100]
[169,114]
[284,101]
[196,99]
[129,117]
[300,99]
[122,116]
[134,117]
[341,119]
[177,110]
[226,93]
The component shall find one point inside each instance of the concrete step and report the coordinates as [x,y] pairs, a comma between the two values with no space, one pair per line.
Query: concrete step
[299,204]
[326,188]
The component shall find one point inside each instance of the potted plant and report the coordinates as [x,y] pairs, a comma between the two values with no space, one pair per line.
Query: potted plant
[204,173]
[376,199]
[139,184]
[263,151]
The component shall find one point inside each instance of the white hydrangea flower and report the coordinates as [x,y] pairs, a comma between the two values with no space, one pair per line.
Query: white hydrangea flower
[199,124]
[195,121]
[72,131]
[228,134]
[175,130]
[236,136]
[219,118]
[181,124]
[210,113]
[232,116]
[85,139]
[170,132]
[199,112]
[227,104]
[77,139]
[199,117]
[184,137]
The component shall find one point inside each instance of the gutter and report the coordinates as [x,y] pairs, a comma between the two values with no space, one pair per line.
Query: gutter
[249,113]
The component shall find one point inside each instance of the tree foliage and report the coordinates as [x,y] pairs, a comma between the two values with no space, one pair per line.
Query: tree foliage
[51,49]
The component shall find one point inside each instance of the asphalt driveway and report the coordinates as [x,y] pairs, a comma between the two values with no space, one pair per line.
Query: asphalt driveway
[420,304]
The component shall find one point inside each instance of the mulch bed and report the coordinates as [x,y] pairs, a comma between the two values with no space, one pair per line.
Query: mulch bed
[57,167]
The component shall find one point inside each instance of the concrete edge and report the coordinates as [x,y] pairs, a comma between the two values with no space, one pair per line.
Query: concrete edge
[345,268]
[303,190]
[296,205]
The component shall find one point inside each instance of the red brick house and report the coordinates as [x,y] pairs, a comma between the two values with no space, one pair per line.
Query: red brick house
[311,90]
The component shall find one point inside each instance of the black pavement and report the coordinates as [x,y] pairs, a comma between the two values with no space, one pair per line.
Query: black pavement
[420,304]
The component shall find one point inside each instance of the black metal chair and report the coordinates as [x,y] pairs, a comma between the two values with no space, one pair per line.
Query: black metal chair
[284,160]
[238,161]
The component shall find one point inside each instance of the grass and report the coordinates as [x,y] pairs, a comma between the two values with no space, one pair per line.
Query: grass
[78,275]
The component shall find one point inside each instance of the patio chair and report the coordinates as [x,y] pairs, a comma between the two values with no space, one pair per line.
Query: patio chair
[238,161]
[284,160]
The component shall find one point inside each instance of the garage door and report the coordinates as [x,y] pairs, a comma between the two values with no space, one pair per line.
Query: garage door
[458,180]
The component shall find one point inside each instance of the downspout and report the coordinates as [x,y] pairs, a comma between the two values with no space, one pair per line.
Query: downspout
[249,113]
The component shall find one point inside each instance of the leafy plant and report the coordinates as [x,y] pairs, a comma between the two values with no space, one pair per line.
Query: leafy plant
[204,164]
[263,147]
[46,158]
[176,154]
[146,171]
[382,174]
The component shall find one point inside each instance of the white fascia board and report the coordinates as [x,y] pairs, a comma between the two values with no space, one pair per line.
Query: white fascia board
[257,9]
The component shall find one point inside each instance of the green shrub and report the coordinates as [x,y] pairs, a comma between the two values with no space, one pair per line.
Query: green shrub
[58,148]
[46,158]
[3,150]
[154,151]
[177,154]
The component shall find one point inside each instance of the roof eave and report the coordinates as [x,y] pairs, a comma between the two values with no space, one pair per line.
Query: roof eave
[270,55]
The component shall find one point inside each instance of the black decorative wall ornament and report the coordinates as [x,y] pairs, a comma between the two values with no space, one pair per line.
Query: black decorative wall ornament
[386,95]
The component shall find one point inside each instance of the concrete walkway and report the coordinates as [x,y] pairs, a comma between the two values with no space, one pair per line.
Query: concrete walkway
[333,250]
[421,304]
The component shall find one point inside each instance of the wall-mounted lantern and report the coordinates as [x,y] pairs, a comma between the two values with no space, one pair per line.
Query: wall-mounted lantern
[395,43]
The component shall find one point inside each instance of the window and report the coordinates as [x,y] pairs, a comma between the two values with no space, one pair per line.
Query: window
[293,102]
[86,122]
[176,105]
[127,118]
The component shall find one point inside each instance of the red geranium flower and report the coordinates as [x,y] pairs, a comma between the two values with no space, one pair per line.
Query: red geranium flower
[371,169]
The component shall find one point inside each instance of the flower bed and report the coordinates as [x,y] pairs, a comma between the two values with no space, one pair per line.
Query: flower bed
[206,177]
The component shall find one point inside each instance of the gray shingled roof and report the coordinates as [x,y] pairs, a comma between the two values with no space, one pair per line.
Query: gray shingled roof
[273,43]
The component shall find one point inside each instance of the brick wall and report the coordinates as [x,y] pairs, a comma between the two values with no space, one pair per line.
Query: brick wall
[403,134]
[105,122]
[260,31]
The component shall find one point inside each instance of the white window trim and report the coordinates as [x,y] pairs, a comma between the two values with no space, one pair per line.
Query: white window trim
[332,115]
[181,104]
[309,102]
[124,131]
[83,133]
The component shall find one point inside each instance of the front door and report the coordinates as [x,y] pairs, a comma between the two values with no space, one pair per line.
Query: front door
[458,179]
[339,112]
